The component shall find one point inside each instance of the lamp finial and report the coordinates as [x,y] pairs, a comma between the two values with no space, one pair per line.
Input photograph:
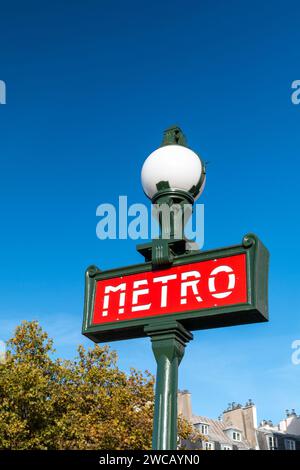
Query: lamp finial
[173,135]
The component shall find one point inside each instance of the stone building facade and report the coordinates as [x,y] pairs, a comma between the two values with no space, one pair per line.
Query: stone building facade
[237,428]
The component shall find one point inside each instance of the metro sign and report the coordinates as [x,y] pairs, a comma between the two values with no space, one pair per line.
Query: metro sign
[203,290]
[192,286]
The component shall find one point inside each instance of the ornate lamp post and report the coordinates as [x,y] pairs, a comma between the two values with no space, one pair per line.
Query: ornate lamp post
[176,290]
[172,176]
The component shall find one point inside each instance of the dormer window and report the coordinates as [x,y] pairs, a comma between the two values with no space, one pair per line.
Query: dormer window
[290,444]
[272,442]
[202,428]
[236,436]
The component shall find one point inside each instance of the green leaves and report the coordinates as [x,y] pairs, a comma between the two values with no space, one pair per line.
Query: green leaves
[87,403]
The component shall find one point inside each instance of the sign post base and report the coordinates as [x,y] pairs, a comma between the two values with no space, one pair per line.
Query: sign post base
[168,343]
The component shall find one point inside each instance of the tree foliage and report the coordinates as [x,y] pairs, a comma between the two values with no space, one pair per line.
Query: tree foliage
[86,403]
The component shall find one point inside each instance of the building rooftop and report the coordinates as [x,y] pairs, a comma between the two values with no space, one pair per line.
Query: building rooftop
[217,432]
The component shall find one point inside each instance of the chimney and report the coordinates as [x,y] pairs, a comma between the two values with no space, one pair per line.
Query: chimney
[184,404]
[245,419]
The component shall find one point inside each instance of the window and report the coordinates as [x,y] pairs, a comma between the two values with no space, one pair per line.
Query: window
[289,444]
[208,445]
[226,447]
[272,443]
[236,436]
[202,428]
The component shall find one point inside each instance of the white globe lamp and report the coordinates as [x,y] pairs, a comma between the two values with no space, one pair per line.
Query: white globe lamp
[174,169]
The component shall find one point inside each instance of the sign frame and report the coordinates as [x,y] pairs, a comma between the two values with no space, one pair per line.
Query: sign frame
[255,310]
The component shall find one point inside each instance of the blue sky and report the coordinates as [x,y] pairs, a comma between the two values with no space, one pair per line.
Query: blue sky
[91,85]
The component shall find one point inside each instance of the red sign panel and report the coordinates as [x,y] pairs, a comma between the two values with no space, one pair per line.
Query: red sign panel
[194,286]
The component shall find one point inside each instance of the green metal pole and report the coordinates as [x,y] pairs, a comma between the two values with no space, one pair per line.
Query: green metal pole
[168,344]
